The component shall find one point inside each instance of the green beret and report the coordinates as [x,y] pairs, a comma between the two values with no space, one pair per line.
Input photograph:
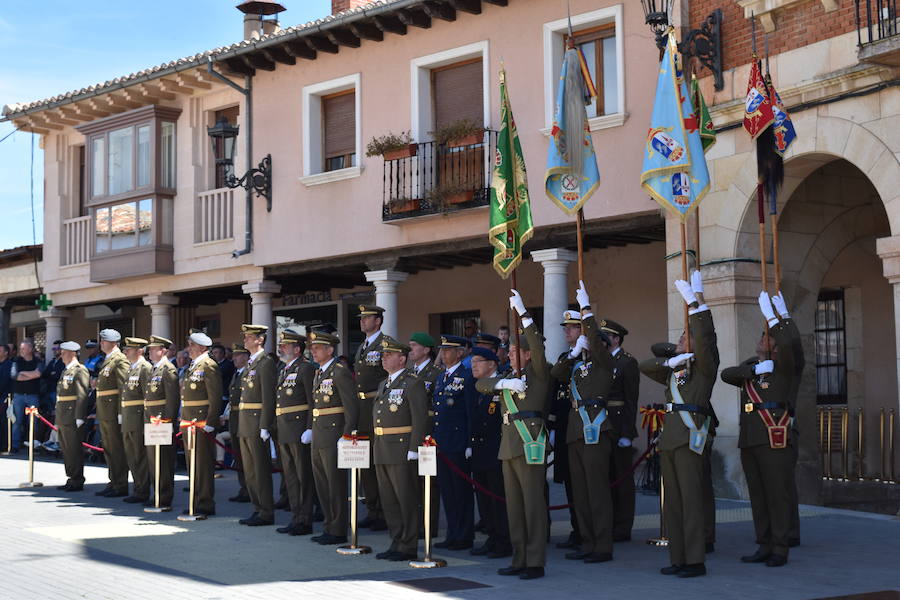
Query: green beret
[420,337]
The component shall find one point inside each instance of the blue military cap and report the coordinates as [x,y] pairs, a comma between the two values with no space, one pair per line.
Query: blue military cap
[485,353]
[453,341]
[486,338]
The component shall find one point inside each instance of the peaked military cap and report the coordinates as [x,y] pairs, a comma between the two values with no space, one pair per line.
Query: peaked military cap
[365,309]
[71,346]
[110,335]
[135,342]
[614,328]
[487,338]
[420,337]
[664,350]
[320,337]
[289,336]
[389,344]
[571,317]
[454,341]
[239,349]
[485,353]
[257,329]
[157,341]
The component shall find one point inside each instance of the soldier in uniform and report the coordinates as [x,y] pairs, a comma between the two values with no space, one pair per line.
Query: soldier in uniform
[369,375]
[111,376]
[335,403]
[485,432]
[399,413]
[421,363]
[454,401]
[133,394]
[766,407]
[525,404]
[621,409]
[201,399]
[292,414]
[239,357]
[589,437]
[689,378]
[71,407]
[257,409]
[161,402]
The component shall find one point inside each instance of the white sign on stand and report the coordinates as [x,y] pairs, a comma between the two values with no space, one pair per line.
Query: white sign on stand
[427,461]
[353,455]
[158,435]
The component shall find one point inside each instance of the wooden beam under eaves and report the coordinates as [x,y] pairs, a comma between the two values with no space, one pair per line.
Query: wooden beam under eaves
[469,6]
[28,126]
[92,108]
[154,92]
[238,67]
[366,31]
[172,86]
[186,80]
[75,115]
[57,116]
[322,44]
[343,37]
[390,24]
[277,54]
[120,101]
[258,61]
[298,49]
[414,18]
[439,10]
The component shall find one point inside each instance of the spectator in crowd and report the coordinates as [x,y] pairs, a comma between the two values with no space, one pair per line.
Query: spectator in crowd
[26,372]
[182,361]
[49,379]
[94,358]
[6,386]
[226,368]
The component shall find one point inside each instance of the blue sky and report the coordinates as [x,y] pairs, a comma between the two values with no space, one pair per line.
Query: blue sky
[64,46]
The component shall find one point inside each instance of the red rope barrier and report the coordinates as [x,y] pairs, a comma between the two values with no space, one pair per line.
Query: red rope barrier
[55,428]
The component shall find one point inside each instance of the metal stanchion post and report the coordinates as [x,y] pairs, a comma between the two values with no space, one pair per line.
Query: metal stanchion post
[860,443]
[428,562]
[821,411]
[828,445]
[845,437]
[156,508]
[881,444]
[354,548]
[192,444]
[31,411]
[663,539]
[8,401]
[893,478]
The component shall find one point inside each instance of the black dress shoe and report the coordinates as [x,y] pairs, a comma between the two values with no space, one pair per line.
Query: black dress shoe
[75,488]
[134,500]
[671,570]
[776,560]
[756,557]
[577,555]
[444,544]
[692,571]
[500,553]
[378,525]
[482,550]
[248,519]
[511,571]
[573,542]
[63,488]
[301,530]
[200,513]
[257,521]
[367,522]
[104,492]
[460,545]
[316,538]
[118,494]
[598,557]
[532,573]
[710,547]
[286,529]
[625,537]
[398,556]
[239,498]
[334,539]
[386,555]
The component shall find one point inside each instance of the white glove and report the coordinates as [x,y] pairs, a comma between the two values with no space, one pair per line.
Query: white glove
[264,435]
[79,422]
[679,359]
[780,305]
[581,296]
[513,384]
[624,443]
[10,412]
[410,455]
[516,303]
[697,282]
[763,367]
[468,453]
[765,305]
[581,344]
[306,437]
[686,291]
[119,418]
[208,428]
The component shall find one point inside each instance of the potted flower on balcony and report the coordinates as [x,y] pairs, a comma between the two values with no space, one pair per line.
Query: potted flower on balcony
[403,204]
[464,132]
[392,146]
[443,197]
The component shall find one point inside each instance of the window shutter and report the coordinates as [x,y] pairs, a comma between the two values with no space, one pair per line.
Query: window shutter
[339,120]
[458,93]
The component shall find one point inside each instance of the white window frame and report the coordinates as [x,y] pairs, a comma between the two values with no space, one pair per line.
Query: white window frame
[422,118]
[313,173]
[554,49]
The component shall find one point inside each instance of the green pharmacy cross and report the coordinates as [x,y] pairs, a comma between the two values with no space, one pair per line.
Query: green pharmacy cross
[43,302]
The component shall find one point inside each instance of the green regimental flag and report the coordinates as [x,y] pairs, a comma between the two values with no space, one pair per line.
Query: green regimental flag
[511,224]
[705,125]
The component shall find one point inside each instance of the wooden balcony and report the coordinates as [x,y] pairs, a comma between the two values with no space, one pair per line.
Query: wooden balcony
[76,241]
[214,216]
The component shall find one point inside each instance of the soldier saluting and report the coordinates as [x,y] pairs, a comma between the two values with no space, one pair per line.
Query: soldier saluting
[111,376]
[161,403]
[71,406]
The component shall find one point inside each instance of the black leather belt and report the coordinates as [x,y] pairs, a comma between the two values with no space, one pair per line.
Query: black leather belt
[770,405]
[592,403]
[522,415]
[694,408]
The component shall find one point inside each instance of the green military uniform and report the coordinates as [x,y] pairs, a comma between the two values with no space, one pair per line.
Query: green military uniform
[257,409]
[234,420]
[591,376]
[400,414]
[292,415]
[335,406]
[161,401]
[768,464]
[201,401]
[112,373]
[133,394]
[526,504]
[682,467]
[71,404]
[369,375]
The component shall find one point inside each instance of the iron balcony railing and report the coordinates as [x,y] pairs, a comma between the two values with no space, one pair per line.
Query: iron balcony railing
[439,178]
[876,20]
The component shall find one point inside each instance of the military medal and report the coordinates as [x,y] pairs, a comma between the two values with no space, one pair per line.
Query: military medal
[394,408]
[289,391]
[193,386]
[449,401]
[250,384]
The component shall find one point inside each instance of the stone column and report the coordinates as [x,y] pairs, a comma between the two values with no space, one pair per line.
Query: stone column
[386,282]
[556,295]
[161,313]
[260,293]
[4,321]
[889,251]
[55,320]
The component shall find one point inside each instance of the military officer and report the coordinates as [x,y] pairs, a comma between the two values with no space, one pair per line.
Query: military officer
[335,403]
[766,409]
[132,406]
[589,437]
[239,357]
[369,375]
[161,402]
[525,404]
[292,414]
[71,407]
[621,409]
[400,414]
[257,409]
[689,378]
[454,401]
[485,432]
[201,400]
[421,362]
[111,376]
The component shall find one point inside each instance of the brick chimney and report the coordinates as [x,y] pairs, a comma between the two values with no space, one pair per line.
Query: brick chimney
[342,5]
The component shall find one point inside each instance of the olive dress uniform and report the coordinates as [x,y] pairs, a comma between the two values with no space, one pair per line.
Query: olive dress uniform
[526,504]
[369,375]
[292,415]
[162,401]
[682,468]
[201,401]
[234,420]
[768,469]
[334,411]
[592,377]
[111,378]
[257,408]
[133,394]
[71,404]
[558,421]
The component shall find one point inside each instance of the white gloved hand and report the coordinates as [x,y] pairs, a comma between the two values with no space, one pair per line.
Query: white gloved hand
[581,344]
[208,428]
[119,418]
[686,291]
[468,453]
[765,306]
[513,384]
[410,455]
[10,412]
[79,422]
[780,305]
[264,435]
[516,303]
[581,296]
[763,367]
[624,443]
[306,437]
[696,282]
[679,359]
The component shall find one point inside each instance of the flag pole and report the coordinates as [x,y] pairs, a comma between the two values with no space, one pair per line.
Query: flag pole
[579,232]
[684,274]
[776,263]
[513,285]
